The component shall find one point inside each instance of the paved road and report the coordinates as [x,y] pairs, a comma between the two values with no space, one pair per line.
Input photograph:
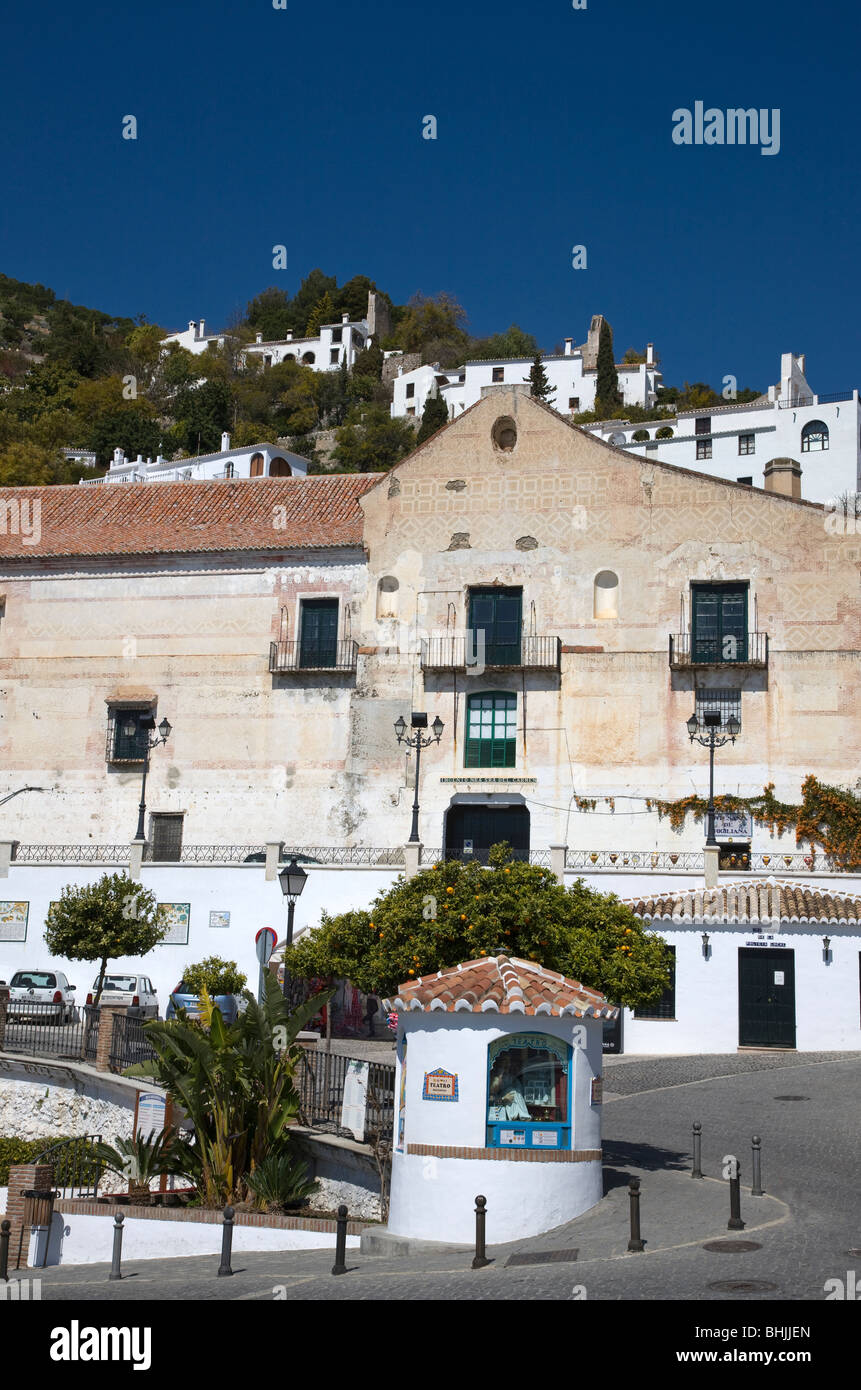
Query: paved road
[804,1227]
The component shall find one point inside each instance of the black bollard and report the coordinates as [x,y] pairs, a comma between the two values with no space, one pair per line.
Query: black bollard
[5,1228]
[756,1146]
[635,1243]
[340,1265]
[117,1252]
[226,1243]
[480,1214]
[696,1170]
[735,1222]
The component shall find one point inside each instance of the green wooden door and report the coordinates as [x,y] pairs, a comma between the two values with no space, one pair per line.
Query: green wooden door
[498,614]
[766,997]
[719,623]
[318,637]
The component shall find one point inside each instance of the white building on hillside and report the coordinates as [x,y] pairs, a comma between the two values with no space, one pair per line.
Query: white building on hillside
[196,339]
[335,344]
[572,373]
[791,425]
[250,461]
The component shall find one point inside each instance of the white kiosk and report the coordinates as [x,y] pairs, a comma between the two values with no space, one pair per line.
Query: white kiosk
[498,1092]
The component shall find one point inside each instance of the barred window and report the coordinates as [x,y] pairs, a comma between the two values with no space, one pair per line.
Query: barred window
[725,702]
[747,444]
[704,448]
[491,731]
[666,1005]
[127,736]
[166,837]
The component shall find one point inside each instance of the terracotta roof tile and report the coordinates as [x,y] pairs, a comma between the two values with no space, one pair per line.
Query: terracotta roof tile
[500,984]
[179,518]
[753,902]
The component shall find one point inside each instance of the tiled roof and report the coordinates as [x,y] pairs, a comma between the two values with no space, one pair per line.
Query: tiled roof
[753,902]
[181,518]
[498,984]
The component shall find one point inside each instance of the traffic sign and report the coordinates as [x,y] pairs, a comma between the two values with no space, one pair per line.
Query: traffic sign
[265,944]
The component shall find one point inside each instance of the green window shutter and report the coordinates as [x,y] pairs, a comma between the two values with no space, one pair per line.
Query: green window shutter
[318,632]
[491,730]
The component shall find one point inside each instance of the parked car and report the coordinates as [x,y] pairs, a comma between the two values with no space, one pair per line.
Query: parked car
[41,988]
[135,991]
[231,1005]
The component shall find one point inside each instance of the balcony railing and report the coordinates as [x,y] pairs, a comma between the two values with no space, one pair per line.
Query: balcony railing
[718,651]
[466,651]
[285,658]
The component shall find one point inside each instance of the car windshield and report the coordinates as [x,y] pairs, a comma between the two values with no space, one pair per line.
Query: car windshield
[126,983]
[32,979]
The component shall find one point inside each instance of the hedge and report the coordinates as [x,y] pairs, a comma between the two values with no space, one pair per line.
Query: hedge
[23,1151]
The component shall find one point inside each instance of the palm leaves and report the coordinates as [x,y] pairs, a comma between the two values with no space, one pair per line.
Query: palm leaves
[235,1084]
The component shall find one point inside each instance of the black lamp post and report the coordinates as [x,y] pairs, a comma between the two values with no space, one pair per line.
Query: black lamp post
[711,740]
[292,879]
[418,741]
[143,732]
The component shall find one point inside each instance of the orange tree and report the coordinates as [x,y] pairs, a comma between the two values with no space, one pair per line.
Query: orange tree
[456,912]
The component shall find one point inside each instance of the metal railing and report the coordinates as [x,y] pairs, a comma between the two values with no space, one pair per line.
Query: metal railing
[795,402]
[833,396]
[289,657]
[70,854]
[345,854]
[129,1042]
[632,860]
[37,1029]
[719,651]
[77,1170]
[465,651]
[320,1080]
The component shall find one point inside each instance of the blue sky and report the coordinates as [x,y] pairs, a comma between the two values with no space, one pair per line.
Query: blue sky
[303,126]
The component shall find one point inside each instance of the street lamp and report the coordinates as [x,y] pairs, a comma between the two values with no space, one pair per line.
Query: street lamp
[143,732]
[292,879]
[711,740]
[418,741]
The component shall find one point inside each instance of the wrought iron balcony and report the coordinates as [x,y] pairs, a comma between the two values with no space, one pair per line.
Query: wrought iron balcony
[465,651]
[751,651]
[288,658]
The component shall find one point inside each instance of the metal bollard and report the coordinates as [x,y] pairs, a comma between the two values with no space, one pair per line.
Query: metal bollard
[696,1170]
[340,1265]
[5,1228]
[480,1214]
[756,1146]
[635,1243]
[735,1222]
[116,1253]
[226,1243]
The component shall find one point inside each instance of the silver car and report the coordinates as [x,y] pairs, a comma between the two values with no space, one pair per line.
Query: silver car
[135,991]
[41,995]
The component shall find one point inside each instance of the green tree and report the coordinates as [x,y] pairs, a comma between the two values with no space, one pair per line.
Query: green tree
[202,413]
[371,441]
[435,327]
[269,313]
[540,387]
[512,343]
[608,399]
[434,416]
[215,975]
[323,312]
[115,916]
[456,912]
[25,464]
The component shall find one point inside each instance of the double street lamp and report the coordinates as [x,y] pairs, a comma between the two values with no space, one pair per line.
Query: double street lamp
[142,731]
[418,741]
[292,879]
[710,739]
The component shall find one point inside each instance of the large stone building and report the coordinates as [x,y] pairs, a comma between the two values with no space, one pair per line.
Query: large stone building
[561,605]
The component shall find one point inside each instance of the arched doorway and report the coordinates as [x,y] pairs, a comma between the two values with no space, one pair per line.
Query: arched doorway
[473,824]
[280,468]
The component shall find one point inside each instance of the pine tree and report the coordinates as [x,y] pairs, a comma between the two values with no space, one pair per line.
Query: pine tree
[608,398]
[540,386]
[434,416]
[323,312]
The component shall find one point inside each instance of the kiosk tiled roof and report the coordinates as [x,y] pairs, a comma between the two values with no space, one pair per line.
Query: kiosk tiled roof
[499,984]
[187,517]
[753,902]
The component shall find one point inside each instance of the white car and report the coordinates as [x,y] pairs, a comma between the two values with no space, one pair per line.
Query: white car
[41,995]
[135,991]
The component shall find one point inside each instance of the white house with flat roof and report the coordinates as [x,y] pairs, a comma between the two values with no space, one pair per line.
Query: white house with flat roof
[249,461]
[335,344]
[820,435]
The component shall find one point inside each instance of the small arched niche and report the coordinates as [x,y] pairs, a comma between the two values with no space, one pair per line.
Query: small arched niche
[504,434]
[387,597]
[606,595]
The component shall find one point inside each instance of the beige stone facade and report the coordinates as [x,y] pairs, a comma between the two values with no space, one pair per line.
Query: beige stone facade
[508,496]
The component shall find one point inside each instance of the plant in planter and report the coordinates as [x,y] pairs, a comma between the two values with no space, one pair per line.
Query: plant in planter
[139,1160]
[281,1183]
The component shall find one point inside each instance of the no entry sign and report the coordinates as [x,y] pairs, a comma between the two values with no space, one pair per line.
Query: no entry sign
[265,944]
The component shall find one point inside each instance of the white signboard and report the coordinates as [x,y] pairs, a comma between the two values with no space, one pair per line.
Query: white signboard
[355,1102]
[778,977]
[732,825]
[151,1109]
[512,1136]
[547,1138]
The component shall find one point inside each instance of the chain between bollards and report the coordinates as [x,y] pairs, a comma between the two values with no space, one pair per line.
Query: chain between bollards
[226,1242]
[735,1222]
[5,1228]
[756,1147]
[635,1243]
[117,1252]
[480,1259]
[340,1265]
[696,1170]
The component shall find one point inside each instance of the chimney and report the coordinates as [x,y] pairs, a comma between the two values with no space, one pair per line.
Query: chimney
[345,318]
[159,459]
[139,458]
[784,476]
[569,344]
[225,442]
[202,328]
[119,458]
[192,327]
[650,354]
[290,337]
[259,338]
